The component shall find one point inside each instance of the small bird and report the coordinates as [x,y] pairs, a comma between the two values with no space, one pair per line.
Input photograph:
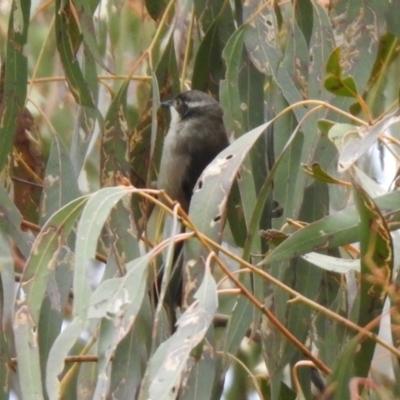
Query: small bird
[195,136]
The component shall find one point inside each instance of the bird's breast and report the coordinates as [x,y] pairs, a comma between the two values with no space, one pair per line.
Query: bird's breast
[173,165]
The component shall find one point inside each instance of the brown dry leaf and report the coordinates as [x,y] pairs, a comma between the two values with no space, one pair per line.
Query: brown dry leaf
[26,167]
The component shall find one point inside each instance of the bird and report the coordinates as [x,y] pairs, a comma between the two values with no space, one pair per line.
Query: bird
[195,137]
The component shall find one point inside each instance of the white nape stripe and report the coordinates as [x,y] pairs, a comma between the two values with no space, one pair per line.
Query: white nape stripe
[193,104]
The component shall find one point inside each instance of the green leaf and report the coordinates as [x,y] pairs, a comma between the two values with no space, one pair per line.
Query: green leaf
[357,24]
[85,11]
[118,302]
[235,124]
[155,8]
[7,295]
[321,43]
[115,165]
[33,286]
[87,117]
[207,207]
[10,223]
[154,121]
[338,133]
[167,70]
[325,125]
[47,244]
[208,67]
[59,351]
[202,372]
[343,370]
[333,264]
[334,81]
[334,230]
[318,173]
[368,135]
[217,21]
[58,291]
[112,298]
[262,44]
[237,327]
[60,187]
[296,49]
[28,354]
[13,91]
[114,161]
[392,14]
[191,329]
[380,94]
[341,86]
[69,38]
[376,249]
[209,11]
[229,91]
[90,225]
[131,354]
[305,18]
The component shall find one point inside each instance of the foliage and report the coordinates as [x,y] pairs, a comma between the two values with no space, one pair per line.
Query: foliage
[290,244]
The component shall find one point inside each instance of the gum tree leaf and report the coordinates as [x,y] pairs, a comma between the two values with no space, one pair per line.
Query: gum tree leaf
[368,135]
[69,39]
[335,82]
[155,8]
[333,264]
[59,351]
[376,250]
[13,94]
[33,286]
[10,223]
[166,366]
[334,230]
[58,188]
[357,23]
[118,302]
[209,68]
[318,173]
[115,165]
[90,225]
[85,12]
[210,196]
[7,296]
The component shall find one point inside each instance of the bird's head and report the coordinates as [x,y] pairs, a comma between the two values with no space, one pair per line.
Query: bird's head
[192,104]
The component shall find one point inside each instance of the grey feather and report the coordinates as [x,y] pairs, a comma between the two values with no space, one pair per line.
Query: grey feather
[195,137]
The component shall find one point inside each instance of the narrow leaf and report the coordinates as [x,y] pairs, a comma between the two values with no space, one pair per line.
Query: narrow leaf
[69,39]
[167,363]
[368,135]
[334,230]
[376,249]
[90,226]
[13,94]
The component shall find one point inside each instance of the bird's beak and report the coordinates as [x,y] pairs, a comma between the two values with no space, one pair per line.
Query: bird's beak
[166,104]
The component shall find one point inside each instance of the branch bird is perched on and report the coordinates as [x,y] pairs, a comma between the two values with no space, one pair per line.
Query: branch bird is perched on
[196,135]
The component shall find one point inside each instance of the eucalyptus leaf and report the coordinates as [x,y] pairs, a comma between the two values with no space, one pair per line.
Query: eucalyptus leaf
[333,264]
[368,135]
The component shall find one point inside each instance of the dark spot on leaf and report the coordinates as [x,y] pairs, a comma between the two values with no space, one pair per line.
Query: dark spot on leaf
[217,218]
[277,210]
[200,184]
[229,156]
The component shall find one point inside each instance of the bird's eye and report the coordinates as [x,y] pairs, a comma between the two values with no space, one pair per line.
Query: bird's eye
[178,102]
